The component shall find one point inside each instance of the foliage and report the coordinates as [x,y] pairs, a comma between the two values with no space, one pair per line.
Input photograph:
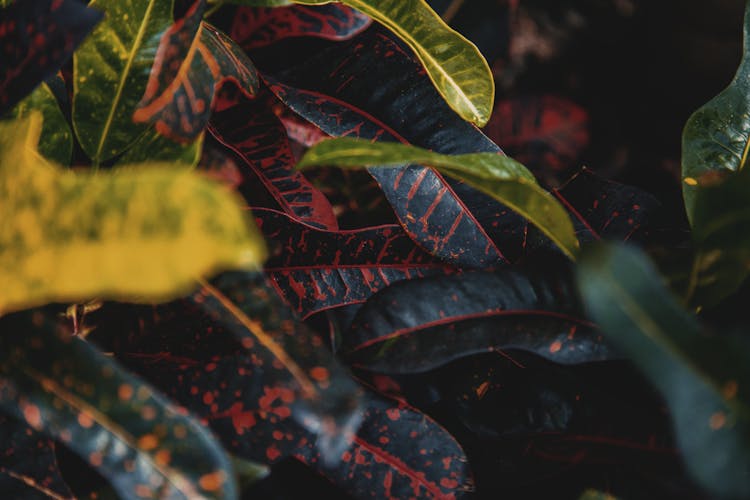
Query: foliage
[195,294]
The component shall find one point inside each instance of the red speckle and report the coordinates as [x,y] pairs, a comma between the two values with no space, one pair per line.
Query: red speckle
[447,463]
[208,398]
[273,453]
[448,483]
[393,414]
[319,373]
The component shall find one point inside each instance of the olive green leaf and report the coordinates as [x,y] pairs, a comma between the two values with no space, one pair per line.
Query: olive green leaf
[110,72]
[705,380]
[144,445]
[716,139]
[456,67]
[56,141]
[152,146]
[497,175]
[141,233]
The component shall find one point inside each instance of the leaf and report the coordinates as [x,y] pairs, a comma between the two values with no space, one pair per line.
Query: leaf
[455,65]
[56,140]
[546,133]
[153,231]
[716,138]
[323,398]
[704,380]
[110,72]
[257,27]
[398,452]
[369,87]
[142,444]
[255,134]
[152,146]
[497,175]
[315,270]
[416,325]
[28,466]
[193,60]
[36,38]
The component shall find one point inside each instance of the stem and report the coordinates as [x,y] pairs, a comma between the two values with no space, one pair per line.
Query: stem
[212,10]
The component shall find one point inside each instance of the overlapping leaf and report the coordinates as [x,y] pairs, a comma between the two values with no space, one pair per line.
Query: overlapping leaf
[496,175]
[193,60]
[142,444]
[36,38]
[704,380]
[110,72]
[316,270]
[716,139]
[260,26]
[331,91]
[142,234]
[455,65]
[420,324]
[152,146]
[28,466]
[252,130]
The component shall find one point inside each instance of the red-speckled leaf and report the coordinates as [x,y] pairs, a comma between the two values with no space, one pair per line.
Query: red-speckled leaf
[398,453]
[141,443]
[370,87]
[28,466]
[324,398]
[416,325]
[603,208]
[36,38]
[255,27]
[315,270]
[251,129]
[546,133]
[192,61]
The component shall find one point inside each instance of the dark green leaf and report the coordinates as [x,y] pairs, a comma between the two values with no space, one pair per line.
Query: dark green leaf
[705,381]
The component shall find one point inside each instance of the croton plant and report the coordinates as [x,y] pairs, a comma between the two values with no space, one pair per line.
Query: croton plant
[247,244]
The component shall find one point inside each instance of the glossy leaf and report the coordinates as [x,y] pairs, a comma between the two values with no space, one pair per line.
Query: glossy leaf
[455,65]
[193,60]
[257,27]
[416,325]
[142,444]
[398,453]
[315,270]
[716,139]
[497,175]
[255,134]
[704,380]
[138,233]
[152,146]
[36,38]
[110,72]
[56,140]
[323,398]
[28,466]
[546,133]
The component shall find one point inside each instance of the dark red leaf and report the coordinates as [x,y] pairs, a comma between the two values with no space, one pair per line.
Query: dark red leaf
[36,38]
[28,466]
[251,129]
[398,453]
[315,270]
[370,87]
[192,61]
[546,133]
[255,27]
[416,325]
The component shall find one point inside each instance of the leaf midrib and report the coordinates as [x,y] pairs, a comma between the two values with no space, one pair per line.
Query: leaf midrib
[121,85]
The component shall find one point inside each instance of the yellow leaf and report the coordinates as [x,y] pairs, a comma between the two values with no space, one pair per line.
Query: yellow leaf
[139,233]
[456,67]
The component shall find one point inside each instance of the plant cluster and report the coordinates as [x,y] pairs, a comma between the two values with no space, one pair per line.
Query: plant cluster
[242,234]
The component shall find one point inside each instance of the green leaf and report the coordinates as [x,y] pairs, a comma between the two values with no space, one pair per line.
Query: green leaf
[716,139]
[497,175]
[141,233]
[145,446]
[152,146]
[704,380]
[56,141]
[110,72]
[456,67]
